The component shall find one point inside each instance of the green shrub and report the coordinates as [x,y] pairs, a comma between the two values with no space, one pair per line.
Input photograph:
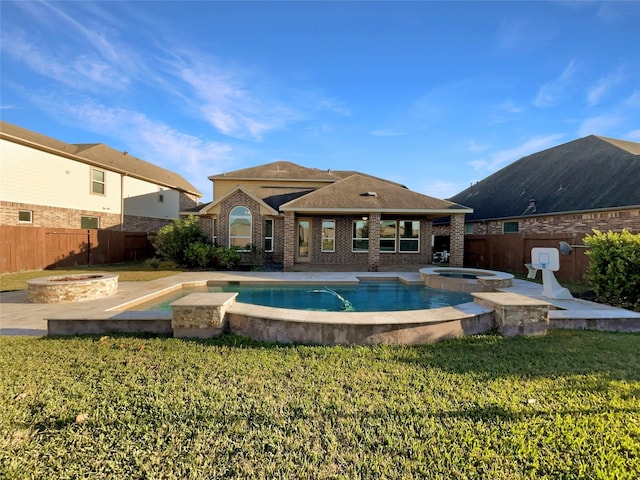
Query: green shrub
[178,242]
[199,255]
[614,267]
[227,258]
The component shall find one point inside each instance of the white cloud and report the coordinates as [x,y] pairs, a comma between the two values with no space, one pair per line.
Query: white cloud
[520,35]
[154,141]
[604,86]
[499,159]
[386,133]
[442,189]
[473,146]
[551,92]
[229,104]
[634,134]
[83,72]
[633,99]
[598,125]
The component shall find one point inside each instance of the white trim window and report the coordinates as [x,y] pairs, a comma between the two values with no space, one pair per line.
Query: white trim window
[240,226]
[25,216]
[388,229]
[90,223]
[328,236]
[268,235]
[510,227]
[360,240]
[409,236]
[98,181]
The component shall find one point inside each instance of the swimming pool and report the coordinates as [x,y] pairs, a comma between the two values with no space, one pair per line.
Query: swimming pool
[372,296]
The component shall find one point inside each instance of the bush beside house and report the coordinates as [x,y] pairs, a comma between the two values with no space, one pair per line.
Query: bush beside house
[614,267]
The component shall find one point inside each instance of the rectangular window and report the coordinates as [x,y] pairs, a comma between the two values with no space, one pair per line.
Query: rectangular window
[268,235]
[89,222]
[328,235]
[360,236]
[468,228]
[25,216]
[388,235]
[409,236]
[510,227]
[97,181]
[214,231]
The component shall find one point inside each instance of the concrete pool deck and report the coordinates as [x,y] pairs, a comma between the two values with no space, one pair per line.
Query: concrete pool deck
[19,317]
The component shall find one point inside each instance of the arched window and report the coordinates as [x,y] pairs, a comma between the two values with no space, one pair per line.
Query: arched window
[240,225]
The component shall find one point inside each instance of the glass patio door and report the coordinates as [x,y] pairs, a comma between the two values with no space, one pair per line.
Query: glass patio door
[303,250]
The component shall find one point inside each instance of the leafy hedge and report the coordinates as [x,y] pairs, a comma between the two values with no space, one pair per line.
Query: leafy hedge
[184,242]
[614,267]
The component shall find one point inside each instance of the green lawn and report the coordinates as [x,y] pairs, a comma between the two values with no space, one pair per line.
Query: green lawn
[566,405]
[137,271]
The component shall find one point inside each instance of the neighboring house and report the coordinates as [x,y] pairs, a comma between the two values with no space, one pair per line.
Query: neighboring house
[291,214]
[558,195]
[50,183]
[589,183]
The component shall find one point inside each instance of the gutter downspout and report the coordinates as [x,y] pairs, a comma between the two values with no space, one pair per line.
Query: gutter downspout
[122,201]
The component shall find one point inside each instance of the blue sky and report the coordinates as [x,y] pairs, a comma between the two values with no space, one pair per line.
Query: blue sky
[433,95]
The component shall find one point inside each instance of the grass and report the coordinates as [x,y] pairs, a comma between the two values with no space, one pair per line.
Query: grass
[136,271]
[566,405]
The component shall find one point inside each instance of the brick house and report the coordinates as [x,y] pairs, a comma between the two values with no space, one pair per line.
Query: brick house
[564,191]
[286,213]
[49,183]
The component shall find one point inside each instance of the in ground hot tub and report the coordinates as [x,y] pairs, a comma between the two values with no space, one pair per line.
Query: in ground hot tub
[465,279]
[72,288]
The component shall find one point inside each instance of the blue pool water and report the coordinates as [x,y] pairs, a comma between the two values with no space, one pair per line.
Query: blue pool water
[361,297]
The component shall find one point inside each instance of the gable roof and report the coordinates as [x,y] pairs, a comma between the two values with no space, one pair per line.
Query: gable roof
[359,193]
[589,173]
[100,155]
[289,171]
[239,188]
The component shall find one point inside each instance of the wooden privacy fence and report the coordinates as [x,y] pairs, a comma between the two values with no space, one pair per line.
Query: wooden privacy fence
[27,249]
[510,252]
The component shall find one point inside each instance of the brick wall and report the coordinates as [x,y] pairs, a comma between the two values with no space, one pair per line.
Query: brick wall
[187,201]
[133,223]
[344,235]
[456,245]
[54,217]
[289,241]
[570,223]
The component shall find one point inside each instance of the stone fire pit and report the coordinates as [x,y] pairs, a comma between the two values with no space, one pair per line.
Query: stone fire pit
[72,288]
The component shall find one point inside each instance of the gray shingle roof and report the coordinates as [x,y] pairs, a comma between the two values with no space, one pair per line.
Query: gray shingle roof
[283,170]
[589,173]
[360,193]
[102,155]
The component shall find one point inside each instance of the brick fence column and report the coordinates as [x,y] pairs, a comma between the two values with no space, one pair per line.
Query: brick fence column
[374,242]
[457,240]
[289,257]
